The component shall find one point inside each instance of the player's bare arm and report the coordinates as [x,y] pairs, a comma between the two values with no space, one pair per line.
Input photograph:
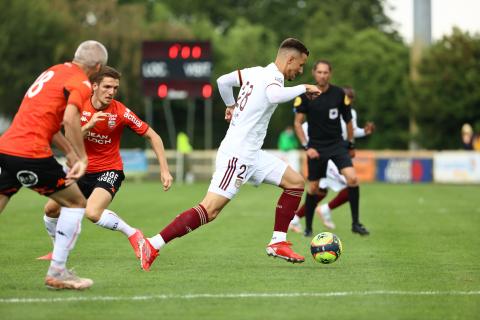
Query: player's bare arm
[157,146]
[96,117]
[62,143]
[73,133]
[297,124]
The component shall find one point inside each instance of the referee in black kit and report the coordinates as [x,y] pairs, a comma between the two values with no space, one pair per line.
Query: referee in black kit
[326,142]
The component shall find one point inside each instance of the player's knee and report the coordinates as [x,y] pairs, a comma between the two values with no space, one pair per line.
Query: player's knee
[352,181]
[52,210]
[93,214]
[322,192]
[312,188]
[298,182]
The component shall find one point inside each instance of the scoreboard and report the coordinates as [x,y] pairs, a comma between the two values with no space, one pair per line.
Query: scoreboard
[177,69]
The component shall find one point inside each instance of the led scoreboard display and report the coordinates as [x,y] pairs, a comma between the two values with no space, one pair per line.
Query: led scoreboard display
[177,69]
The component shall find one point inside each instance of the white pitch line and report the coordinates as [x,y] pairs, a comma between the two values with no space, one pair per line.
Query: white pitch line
[241,296]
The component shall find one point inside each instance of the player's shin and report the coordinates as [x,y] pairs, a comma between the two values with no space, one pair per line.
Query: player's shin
[286,206]
[182,224]
[110,220]
[353,198]
[50,226]
[310,204]
[69,226]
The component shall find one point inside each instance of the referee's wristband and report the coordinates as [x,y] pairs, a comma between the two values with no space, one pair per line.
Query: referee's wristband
[305,146]
[351,145]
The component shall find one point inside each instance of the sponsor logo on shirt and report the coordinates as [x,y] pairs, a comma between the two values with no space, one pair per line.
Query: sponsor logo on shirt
[98,138]
[128,115]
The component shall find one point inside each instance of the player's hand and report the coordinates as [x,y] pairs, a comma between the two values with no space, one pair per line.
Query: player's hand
[76,171]
[97,116]
[71,159]
[369,128]
[229,113]
[351,152]
[167,180]
[312,153]
[312,91]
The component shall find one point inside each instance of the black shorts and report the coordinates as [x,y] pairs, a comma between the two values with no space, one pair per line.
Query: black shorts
[339,154]
[44,175]
[110,180]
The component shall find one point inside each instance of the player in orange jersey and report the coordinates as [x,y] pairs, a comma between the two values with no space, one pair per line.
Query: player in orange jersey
[103,120]
[26,159]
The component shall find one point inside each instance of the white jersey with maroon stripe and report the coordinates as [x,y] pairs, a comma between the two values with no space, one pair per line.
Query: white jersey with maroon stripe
[250,119]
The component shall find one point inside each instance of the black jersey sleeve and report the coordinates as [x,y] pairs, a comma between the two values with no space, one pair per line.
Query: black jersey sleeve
[346,109]
[300,104]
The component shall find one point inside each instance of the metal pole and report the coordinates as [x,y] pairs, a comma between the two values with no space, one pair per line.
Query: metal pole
[208,124]
[422,38]
[191,119]
[149,116]
[172,135]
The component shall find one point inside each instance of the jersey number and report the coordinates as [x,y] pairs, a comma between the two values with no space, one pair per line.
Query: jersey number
[37,86]
[244,94]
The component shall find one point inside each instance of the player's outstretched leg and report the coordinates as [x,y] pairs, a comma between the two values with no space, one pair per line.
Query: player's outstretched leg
[295,225]
[184,223]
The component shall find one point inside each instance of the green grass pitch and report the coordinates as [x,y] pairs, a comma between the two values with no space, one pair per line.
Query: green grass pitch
[421,261]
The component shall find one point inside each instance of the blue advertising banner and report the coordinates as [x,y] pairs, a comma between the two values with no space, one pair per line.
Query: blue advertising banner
[404,170]
[134,160]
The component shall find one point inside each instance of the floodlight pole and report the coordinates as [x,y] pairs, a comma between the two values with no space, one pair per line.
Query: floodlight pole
[170,123]
[422,38]
[208,124]
[191,119]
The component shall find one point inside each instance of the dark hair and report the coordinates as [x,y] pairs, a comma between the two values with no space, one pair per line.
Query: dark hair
[321,61]
[104,72]
[292,43]
[349,92]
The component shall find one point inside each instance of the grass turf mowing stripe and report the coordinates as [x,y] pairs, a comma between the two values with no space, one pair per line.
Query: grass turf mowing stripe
[242,295]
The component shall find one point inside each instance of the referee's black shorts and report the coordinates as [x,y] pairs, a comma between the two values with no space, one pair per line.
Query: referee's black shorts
[338,153]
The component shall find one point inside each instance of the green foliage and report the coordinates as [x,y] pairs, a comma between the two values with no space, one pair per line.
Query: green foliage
[31,37]
[447,93]
[355,36]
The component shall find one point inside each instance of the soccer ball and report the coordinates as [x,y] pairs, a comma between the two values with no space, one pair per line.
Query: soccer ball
[326,247]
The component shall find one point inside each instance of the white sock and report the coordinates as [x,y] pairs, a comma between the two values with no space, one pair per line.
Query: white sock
[110,220]
[325,208]
[295,219]
[157,241]
[69,226]
[278,237]
[51,226]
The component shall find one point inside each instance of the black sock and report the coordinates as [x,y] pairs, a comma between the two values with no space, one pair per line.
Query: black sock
[310,205]
[354,198]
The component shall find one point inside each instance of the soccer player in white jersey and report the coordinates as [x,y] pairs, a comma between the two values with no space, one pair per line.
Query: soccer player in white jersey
[334,180]
[240,158]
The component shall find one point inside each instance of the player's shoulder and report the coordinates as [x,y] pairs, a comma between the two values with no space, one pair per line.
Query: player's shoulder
[337,90]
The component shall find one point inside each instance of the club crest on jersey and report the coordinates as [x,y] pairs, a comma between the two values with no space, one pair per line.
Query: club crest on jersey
[112,121]
[238,183]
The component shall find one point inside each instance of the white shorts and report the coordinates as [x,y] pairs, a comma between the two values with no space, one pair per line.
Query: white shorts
[231,173]
[334,180]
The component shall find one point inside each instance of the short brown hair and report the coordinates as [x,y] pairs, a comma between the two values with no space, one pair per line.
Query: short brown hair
[104,72]
[292,43]
[322,61]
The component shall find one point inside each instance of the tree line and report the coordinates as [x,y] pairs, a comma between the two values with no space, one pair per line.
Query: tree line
[356,36]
